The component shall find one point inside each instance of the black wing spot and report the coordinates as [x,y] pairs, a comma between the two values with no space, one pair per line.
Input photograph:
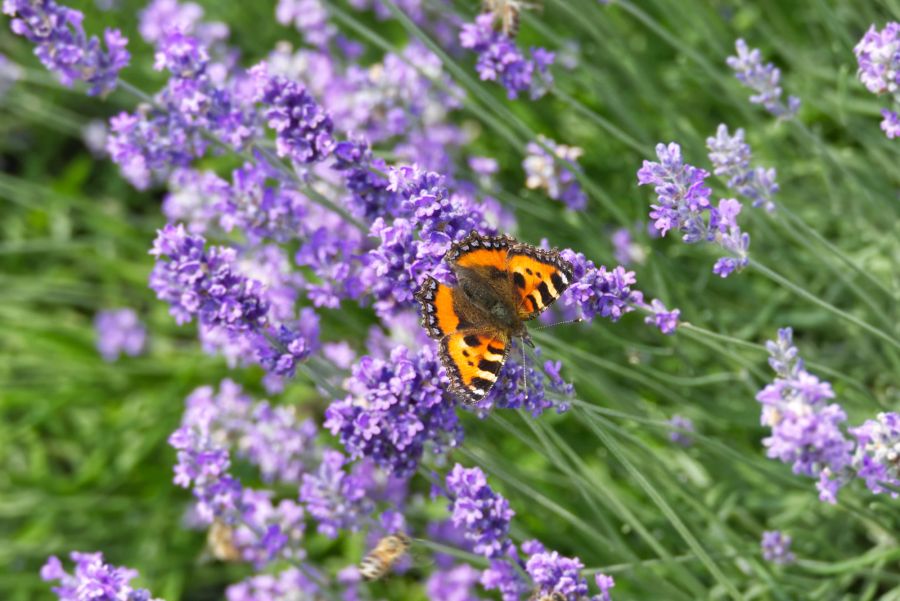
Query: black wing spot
[471,364]
[481,384]
[557,282]
[465,353]
[495,350]
[472,340]
[519,279]
[528,271]
[546,298]
[491,366]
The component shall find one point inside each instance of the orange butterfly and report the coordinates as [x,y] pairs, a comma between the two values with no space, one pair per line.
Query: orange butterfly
[502,283]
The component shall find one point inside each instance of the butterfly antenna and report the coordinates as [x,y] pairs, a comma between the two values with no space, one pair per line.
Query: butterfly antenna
[560,323]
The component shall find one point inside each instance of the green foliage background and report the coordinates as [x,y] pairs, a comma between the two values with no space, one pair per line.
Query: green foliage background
[83,460]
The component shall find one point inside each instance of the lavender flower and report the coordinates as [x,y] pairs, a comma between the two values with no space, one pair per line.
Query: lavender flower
[626,250]
[500,60]
[878,55]
[605,584]
[553,573]
[475,508]
[197,282]
[303,130]
[453,584]
[730,156]
[662,318]
[287,585]
[92,579]
[521,384]
[309,17]
[395,409]
[338,499]
[544,171]
[63,47]
[683,204]
[119,331]
[502,576]
[598,291]
[776,547]
[877,456]
[805,428]
[271,437]
[762,79]
[682,428]
[162,17]
[890,124]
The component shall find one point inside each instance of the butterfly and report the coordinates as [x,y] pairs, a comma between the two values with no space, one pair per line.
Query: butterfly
[501,284]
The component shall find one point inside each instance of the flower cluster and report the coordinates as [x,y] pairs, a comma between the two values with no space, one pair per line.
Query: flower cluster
[730,157]
[682,428]
[626,250]
[336,497]
[878,55]
[806,429]
[762,79]
[63,47]
[599,291]
[553,573]
[309,17]
[663,318]
[877,456]
[776,547]
[119,331]
[683,204]
[553,171]
[500,60]
[395,408]
[92,579]
[288,585]
[475,508]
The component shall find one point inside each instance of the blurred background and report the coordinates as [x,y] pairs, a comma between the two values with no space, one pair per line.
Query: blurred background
[84,463]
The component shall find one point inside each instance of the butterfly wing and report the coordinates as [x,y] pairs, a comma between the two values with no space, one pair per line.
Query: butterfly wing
[473,359]
[480,252]
[539,277]
[438,315]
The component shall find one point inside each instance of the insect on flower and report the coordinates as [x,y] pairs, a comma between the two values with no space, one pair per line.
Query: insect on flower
[220,542]
[507,14]
[551,596]
[384,556]
[502,283]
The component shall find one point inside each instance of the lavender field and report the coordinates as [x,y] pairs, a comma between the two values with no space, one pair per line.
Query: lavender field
[264,291]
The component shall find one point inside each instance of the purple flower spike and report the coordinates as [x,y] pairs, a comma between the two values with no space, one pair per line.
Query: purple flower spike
[396,408]
[303,129]
[682,428]
[730,156]
[479,511]
[762,79]
[662,318]
[544,172]
[337,498]
[500,60]
[806,429]
[776,547]
[598,291]
[877,456]
[92,579]
[288,585]
[63,47]
[119,332]
[683,204]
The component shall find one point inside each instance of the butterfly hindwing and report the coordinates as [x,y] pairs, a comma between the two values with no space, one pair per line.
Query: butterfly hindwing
[539,277]
[473,359]
[438,315]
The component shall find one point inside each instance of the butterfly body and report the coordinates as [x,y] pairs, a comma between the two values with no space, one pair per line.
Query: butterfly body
[501,284]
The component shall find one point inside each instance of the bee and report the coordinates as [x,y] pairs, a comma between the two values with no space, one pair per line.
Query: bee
[220,542]
[551,596]
[506,13]
[384,556]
